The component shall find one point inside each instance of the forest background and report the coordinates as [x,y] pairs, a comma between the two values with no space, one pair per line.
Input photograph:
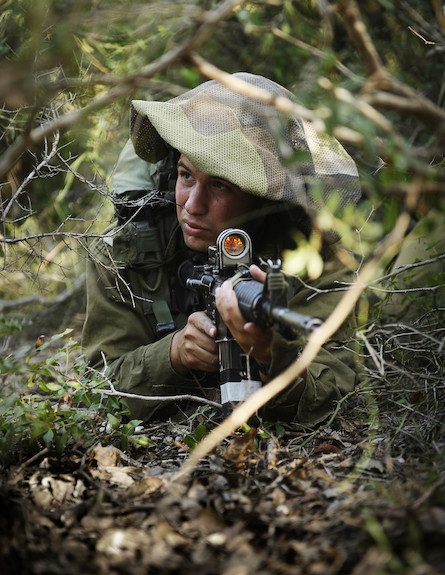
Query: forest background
[371,73]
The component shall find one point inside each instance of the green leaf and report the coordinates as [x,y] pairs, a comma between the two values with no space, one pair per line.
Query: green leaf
[200,432]
[190,441]
[48,438]
[61,440]
[54,386]
[38,428]
[113,421]
[141,440]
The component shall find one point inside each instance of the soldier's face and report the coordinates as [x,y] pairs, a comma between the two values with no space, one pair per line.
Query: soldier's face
[206,205]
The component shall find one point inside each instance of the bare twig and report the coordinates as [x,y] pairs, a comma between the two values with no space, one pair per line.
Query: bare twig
[315,52]
[360,37]
[61,298]
[161,398]
[402,269]
[113,392]
[279,102]
[382,88]
[402,98]
[33,174]
[282,104]
[197,37]
[364,108]
[438,9]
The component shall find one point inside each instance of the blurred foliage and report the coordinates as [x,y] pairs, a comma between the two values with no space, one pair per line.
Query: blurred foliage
[64,406]
[57,55]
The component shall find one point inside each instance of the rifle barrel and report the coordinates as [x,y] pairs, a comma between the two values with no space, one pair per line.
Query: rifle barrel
[291,318]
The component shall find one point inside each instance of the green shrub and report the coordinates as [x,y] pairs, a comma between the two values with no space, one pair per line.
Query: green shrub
[51,400]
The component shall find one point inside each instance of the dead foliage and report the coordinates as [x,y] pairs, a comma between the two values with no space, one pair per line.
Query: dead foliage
[333,502]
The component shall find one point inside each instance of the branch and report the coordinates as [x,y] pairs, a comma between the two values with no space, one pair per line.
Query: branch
[248,408]
[315,52]
[61,298]
[281,103]
[406,267]
[381,80]
[398,96]
[359,35]
[363,107]
[53,235]
[402,190]
[34,173]
[205,28]
[427,27]
[113,392]
[438,9]
[163,398]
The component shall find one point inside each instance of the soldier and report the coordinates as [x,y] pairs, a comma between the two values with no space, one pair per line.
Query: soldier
[216,159]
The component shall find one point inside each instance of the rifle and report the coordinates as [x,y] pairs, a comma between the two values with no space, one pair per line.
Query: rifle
[263,304]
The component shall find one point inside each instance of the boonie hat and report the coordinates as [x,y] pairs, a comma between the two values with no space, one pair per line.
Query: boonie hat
[246,142]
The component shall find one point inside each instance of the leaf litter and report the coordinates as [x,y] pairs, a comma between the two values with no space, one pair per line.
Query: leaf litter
[259,504]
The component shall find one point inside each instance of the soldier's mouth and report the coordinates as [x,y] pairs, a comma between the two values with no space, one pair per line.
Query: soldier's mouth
[193,228]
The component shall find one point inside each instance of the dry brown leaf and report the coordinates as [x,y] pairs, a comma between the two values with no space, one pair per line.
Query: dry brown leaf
[146,486]
[106,456]
[240,447]
[122,542]
[119,476]
[326,448]
[50,492]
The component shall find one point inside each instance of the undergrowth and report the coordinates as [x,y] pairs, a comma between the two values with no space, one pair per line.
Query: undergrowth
[50,400]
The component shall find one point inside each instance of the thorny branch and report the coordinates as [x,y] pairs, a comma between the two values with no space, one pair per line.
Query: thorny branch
[48,156]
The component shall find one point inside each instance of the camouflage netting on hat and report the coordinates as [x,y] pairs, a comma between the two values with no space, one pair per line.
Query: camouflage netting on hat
[246,142]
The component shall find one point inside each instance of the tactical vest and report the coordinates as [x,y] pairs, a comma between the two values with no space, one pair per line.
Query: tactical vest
[146,238]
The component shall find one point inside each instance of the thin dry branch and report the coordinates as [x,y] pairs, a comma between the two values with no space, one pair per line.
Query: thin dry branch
[382,88]
[236,84]
[403,99]
[37,299]
[113,392]
[428,28]
[315,52]
[197,37]
[402,269]
[47,157]
[244,411]
[401,190]
[159,398]
[438,9]
[359,36]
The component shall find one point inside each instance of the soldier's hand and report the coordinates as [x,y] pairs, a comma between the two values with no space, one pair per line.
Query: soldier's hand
[257,273]
[252,339]
[194,347]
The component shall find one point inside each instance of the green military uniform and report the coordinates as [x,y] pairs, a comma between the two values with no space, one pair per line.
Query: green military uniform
[416,291]
[118,327]
[132,285]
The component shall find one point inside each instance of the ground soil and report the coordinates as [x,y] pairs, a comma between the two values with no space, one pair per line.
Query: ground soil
[355,497]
